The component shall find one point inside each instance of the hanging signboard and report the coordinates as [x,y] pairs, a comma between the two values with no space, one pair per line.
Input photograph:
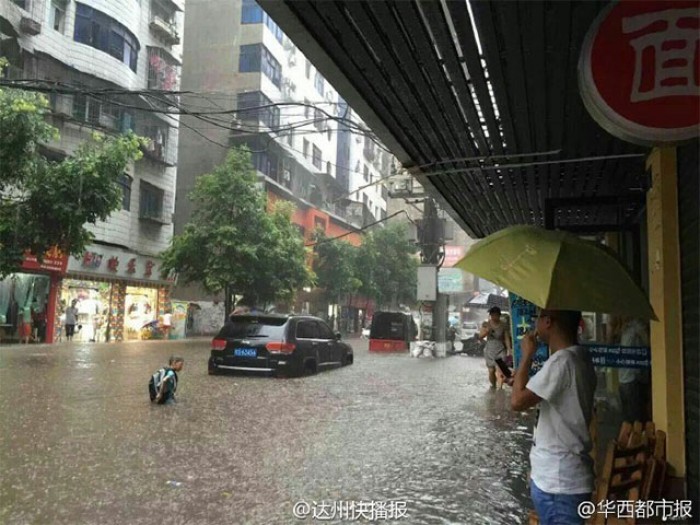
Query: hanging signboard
[638,71]
[523,317]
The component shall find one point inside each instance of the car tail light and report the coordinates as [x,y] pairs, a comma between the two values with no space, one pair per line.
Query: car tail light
[218,344]
[281,347]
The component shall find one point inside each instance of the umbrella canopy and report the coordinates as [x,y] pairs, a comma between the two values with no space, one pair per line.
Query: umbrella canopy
[487,300]
[557,270]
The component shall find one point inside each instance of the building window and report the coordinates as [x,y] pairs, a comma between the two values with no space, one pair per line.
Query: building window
[257,107]
[308,68]
[366,174]
[385,193]
[318,83]
[290,137]
[306,148]
[163,71]
[319,119]
[86,109]
[96,29]
[307,108]
[329,169]
[329,131]
[151,202]
[267,163]
[57,15]
[317,159]
[125,184]
[252,13]
[256,58]
[24,4]
[364,199]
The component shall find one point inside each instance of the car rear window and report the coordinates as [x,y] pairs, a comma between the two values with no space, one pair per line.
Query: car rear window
[239,327]
[388,326]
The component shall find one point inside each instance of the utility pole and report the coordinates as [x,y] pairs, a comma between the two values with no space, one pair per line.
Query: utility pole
[432,243]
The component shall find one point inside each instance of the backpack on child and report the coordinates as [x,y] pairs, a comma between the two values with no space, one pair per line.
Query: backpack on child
[155,382]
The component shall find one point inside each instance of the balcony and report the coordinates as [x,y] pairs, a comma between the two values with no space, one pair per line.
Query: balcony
[163,70]
[166,30]
[154,216]
[160,146]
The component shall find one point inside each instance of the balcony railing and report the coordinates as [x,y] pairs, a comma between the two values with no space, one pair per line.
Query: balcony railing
[160,146]
[166,30]
[163,70]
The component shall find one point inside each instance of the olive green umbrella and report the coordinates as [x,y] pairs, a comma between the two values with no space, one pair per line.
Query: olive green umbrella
[557,270]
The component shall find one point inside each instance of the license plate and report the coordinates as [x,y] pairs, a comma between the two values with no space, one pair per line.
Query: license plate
[245,352]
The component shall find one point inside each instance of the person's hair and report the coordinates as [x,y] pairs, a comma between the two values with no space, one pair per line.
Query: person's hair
[494,310]
[175,359]
[568,321]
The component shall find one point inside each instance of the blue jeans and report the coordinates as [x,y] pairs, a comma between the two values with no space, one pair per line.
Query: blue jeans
[557,509]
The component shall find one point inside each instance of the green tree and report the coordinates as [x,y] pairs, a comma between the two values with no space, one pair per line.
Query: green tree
[387,266]
[231,244]
[47,204]
[336,268]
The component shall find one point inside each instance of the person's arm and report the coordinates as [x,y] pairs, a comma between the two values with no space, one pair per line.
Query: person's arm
[509,341]
[522,398]
[484,330]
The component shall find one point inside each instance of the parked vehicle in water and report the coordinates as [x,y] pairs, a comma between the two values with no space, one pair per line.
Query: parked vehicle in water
[392,332]
[274,344]
[469,330]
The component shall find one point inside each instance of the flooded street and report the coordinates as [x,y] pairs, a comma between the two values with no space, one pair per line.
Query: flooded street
[82,444]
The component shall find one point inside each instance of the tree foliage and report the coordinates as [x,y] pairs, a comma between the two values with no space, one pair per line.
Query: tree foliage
[383,268]
[232,243]
[46,204]
[387,266]
[336,268]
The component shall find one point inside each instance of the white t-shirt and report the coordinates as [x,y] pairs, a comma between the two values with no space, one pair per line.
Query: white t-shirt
[559,457]
[167,319]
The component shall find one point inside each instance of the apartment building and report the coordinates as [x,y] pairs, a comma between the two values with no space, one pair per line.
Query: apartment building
[89,46]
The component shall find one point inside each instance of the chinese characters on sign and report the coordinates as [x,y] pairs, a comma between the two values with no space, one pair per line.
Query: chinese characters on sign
[53,261]
[638,72]
[149,268]
[92,260]
[620,356]
[131,265]
[665,51]
[523,315]
[113,264]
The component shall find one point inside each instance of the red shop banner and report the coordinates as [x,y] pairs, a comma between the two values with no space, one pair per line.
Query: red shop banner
[53,261]
[639,70]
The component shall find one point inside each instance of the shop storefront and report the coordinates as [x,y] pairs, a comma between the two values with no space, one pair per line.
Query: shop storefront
[28,300]
[120,295]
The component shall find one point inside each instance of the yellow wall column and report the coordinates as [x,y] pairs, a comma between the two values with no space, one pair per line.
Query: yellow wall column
[665,295]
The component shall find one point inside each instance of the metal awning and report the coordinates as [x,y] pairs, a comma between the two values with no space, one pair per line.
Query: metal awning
[500,88]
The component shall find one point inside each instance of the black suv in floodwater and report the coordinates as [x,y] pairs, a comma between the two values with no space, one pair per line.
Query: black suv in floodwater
[284,345]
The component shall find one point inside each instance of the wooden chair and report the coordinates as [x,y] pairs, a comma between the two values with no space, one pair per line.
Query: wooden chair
[621,478]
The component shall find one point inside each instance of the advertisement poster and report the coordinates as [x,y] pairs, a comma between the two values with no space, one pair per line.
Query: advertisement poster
[523,319]
[179,320]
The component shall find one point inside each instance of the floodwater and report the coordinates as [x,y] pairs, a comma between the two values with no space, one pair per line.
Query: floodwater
[80,442]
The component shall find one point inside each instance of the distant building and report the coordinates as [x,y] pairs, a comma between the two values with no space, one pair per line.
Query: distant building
[92,45]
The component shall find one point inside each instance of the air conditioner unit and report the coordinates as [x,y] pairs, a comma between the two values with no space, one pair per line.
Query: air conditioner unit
[64,105]
[29,26]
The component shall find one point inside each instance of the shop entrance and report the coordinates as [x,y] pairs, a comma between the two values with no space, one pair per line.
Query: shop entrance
[141,308]
[93,301]
[23,302]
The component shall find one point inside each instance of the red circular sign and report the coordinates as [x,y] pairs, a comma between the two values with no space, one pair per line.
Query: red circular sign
[639,71]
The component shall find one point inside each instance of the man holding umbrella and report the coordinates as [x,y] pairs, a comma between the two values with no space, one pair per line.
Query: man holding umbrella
[563,275]
[561,476]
